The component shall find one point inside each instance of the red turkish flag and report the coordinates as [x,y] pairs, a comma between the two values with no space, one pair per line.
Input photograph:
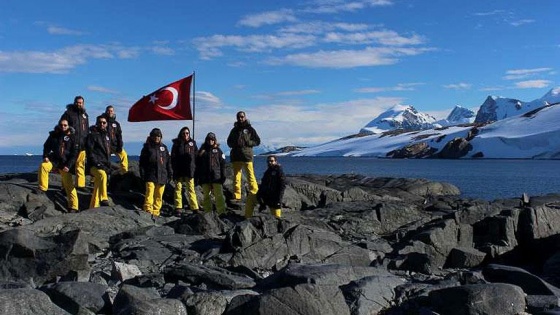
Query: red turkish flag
[171,102]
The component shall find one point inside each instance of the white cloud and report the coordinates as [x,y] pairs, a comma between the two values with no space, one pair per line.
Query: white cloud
[268,18]
[524,73]
[55,30]
[59,61]
[521,22]
[458,86]
[398,87]
[336,6]
[532,84]
[95,88]
[370,56]
[385,37]
[210,47]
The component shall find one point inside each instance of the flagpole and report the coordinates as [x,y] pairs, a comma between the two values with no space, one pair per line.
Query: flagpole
[194,103]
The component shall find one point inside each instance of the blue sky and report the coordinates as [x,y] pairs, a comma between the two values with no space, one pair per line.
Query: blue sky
[306,72]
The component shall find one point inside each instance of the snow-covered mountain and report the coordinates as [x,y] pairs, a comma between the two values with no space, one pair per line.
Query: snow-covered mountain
[459,115]
[404,117]
[520,130]
[496,108]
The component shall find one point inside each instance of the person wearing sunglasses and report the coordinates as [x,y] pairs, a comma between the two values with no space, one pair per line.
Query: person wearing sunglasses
[273,185]
[59,152]
[183,157]
[78,119]
[242,138]
[98,152]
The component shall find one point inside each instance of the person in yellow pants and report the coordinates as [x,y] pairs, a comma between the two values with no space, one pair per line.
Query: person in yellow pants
[78,118]
[273,185]
[59,152]
[98,149]
[114,131]
[155,170]
[211,173]
[242,138]
[183,161]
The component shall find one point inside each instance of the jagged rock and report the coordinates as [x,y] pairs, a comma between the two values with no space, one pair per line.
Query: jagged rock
[461,257]
[80,297]
[371,294]
[454,149]
[415,150]
[496,298]
[213,276]
[530,283]
[28,301]
[310,299]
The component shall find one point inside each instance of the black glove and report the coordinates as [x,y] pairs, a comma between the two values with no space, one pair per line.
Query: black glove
[222,180]
[262,207]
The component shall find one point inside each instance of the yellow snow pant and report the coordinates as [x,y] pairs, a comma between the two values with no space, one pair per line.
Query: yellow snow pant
[191,194]
[153,199]
[216,190]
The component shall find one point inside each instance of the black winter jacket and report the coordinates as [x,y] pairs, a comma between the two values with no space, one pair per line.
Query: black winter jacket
[272,187]
[183,158]
[98,149]
[60,148]
[155,163]
[210,165]
[78,119]
[115,134]
[242,138]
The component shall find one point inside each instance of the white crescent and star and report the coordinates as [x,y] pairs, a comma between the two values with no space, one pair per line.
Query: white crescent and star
[173,101]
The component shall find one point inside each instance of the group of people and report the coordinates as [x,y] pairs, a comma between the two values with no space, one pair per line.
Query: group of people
[73,147]
[73,144]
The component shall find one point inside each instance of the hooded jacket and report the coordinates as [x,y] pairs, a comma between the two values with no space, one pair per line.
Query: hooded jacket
[210,165]
[60,148]
[115,133]
[242,138]
[183,158]
[78,119]
[272,187]
[98,149]
[155,163]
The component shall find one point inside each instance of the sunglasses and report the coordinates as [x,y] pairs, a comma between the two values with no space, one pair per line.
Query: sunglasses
[271,161]
[63,125]
[103,122]
[186,132]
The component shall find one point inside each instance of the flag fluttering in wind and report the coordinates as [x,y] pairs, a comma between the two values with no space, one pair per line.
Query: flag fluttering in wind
[171,102]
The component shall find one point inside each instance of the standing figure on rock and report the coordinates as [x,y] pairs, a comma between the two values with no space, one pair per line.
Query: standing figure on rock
[115,134]
[59,152]
[78,119]
[242,138]
[183,158]
[211,173]
[98,149]
[155,170]
[273,185]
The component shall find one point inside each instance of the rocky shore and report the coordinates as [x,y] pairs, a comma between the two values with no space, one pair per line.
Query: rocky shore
[346,244]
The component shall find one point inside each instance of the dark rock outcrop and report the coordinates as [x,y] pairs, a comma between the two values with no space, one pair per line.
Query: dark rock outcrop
[346,244]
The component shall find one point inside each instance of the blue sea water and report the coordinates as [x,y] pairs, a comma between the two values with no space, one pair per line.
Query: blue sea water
[485,179]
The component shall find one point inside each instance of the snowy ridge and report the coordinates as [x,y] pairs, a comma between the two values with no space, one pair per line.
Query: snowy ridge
[399,117]
[531,136]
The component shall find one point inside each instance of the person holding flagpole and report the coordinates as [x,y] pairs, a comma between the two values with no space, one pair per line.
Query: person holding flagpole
[155,170]
[183,157]
[242,138]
